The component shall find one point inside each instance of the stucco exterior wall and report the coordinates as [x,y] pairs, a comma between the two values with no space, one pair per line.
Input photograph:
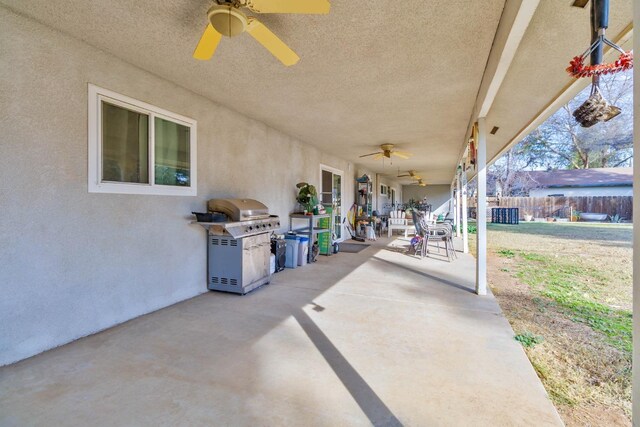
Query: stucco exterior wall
[582,191]
[73,263]
[384,201]
[436,194]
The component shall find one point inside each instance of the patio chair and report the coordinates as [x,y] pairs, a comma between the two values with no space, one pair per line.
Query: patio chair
[443,233]
[438,233]
[420,222]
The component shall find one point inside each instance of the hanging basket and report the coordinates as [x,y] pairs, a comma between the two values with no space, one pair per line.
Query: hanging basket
[595,109]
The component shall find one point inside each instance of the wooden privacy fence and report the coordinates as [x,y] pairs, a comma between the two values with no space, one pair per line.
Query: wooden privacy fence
[560,207]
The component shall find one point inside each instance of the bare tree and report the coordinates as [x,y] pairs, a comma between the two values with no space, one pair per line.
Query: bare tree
[569,145]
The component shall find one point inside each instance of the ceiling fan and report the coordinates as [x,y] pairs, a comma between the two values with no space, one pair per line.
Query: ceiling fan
[226,19]
[388,151]
[419,183]
[411,174]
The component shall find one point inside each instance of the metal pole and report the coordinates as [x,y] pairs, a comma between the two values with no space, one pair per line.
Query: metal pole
[599,19]
[599,22]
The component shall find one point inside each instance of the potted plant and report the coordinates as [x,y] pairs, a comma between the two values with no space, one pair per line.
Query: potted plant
[575,215]
[307,197]
[410,206]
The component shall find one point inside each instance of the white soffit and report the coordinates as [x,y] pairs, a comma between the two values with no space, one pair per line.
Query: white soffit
[516,17]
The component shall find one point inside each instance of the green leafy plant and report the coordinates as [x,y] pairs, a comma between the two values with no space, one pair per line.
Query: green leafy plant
[527,339]
[472,229]
[307,196]
[411,205]
[575,215]
[616,218]
[507,253]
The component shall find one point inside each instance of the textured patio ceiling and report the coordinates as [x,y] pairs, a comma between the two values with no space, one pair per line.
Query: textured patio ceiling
[371,72]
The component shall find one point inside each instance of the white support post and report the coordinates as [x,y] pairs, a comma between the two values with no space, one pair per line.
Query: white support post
[457,204]
[451,200]
[465,223]
[635,398]
[481,210]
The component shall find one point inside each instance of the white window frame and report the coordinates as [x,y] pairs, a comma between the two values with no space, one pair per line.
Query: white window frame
[96,96]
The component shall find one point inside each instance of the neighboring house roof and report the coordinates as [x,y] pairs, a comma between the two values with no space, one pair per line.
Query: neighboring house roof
[597,177]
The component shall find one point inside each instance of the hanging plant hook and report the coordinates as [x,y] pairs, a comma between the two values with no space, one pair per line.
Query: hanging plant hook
[599,24]
[596,108]
[577,68]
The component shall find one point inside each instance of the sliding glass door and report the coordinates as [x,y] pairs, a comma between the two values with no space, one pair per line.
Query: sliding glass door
[331,195]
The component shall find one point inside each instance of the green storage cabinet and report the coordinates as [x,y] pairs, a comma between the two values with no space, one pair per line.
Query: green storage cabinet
[324,239]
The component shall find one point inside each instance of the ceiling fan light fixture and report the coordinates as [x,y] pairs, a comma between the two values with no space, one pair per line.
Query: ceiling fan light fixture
[227,20]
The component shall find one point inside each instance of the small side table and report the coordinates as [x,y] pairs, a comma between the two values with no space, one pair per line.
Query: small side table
[310,229]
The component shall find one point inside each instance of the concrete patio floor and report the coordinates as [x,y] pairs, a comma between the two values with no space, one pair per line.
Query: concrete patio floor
[377,337]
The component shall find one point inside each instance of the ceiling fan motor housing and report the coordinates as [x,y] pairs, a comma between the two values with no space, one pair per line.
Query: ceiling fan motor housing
[227,20]
[386,149]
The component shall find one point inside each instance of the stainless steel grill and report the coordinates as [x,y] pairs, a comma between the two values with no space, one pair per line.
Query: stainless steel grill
[239,249]
[247,218]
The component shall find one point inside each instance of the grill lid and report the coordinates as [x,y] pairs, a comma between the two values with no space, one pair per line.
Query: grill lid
[239,209]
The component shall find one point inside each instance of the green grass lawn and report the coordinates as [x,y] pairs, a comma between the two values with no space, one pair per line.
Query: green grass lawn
[579,291]
[566,289]
[570,260]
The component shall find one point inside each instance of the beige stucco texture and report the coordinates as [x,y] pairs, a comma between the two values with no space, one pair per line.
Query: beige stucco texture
[73,263]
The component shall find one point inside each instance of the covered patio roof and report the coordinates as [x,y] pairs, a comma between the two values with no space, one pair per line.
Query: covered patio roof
[417,74]
[412,73]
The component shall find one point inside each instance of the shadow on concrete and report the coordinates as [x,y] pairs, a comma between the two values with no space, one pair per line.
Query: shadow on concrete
[375,409]
[428,276]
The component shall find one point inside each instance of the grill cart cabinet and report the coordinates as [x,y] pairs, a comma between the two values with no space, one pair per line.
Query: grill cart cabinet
[239,246]
[238,265]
